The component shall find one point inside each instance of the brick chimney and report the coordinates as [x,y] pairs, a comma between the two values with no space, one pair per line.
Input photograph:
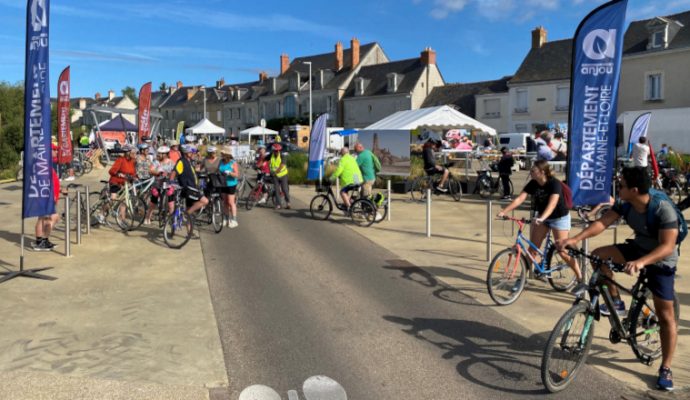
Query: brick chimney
[111,94]
[262,76]
[538,37]
[179,84]
[338,56]
[354,47]
[428,56]
[82,104]
[97,96]
[220,83]
[191,92]
[284,63]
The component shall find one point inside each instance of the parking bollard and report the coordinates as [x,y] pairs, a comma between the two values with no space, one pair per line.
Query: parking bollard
[428,213]
[489,233]
[88,211]
[390,200]
[68,252]
[615,234]
[78,217]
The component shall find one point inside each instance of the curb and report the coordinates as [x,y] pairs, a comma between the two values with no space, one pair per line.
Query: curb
[8,181]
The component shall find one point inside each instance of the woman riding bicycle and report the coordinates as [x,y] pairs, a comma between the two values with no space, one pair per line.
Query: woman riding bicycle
[547,196]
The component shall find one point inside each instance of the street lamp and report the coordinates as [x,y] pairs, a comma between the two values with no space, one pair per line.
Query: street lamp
[309,64]
[204,89]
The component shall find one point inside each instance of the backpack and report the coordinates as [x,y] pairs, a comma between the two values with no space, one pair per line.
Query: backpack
[377,163]
[567,195]
[656,197]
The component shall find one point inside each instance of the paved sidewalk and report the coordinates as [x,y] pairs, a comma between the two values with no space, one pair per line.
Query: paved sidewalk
[455,258]
[127,317]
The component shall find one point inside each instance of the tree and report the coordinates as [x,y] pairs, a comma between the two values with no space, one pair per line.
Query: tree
[131,93]
[163,87]
[11,124]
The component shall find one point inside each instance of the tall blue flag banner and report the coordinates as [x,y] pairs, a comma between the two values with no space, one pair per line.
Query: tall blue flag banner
[597,55]
[38,161]
[317,147]
[638,130]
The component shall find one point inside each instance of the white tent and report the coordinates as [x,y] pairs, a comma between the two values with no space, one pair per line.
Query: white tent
[257,131]
[205,127]
[434,118]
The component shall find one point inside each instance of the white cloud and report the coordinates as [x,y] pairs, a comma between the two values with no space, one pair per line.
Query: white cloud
[443,8]
[493,9]
[657,9]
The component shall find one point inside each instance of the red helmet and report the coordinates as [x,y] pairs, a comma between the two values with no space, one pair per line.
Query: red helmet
[277,147]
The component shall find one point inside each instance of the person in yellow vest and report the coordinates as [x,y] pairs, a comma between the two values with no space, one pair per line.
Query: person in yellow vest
[279,172]
[350,175]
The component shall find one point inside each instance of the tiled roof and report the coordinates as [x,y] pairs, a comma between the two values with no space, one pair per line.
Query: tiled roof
[548,63]
[376,80]
[462,95]
[637,35]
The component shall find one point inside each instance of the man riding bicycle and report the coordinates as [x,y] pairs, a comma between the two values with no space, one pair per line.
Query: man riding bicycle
[188,181]
[349,174]
[430,166]
[656,225]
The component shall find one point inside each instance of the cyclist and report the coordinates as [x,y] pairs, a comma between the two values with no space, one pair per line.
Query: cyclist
[175,151]
[263,169]
[229,168]
[186,177]
[211,162]
[653,249]
[369,165]
[123,167]
[161,169]
[144,162]
[279,172]
[548,200]
[349,174]
[430,166]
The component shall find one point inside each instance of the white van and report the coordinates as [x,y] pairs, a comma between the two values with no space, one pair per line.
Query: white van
[513,141]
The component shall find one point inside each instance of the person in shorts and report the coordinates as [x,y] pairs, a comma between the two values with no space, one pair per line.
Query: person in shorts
[654,250]
[187,179]
[430,166]
[230,170]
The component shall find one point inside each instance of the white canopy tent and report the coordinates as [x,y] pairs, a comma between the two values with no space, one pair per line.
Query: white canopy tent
[205,127]
[257,131]
[433,118]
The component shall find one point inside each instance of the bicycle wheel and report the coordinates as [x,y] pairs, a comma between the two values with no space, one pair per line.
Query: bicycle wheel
[455,189]
[88,166]
[567,347]
[178,229]
[363,212]
[505,279]
[674,191]
[98,214]
[484,187]
[501,192]
[253,198]
[382,210]
[320,207]
[216,215]
[561,276]
[418,190]
[130,217]
[645,335]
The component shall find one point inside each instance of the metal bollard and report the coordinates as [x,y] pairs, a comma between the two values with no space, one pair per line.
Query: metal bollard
[68,228]
[390,200]
[78,217]
[88,211]
[615,234]
[428,213]
[489,233]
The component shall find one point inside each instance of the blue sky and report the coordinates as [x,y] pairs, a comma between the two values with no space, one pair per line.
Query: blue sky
[113,44]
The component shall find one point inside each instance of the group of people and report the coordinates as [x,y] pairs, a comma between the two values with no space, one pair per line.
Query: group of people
[356,172]
[548,146]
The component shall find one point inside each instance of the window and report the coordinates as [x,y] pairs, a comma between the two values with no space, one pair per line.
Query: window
[277,109]
[219,117]
[521,128]
[492,108]
[173,114]
[329,104]
[562,98]
[290,106]
[392,83]
[653,90]
[521,101]
[658,39]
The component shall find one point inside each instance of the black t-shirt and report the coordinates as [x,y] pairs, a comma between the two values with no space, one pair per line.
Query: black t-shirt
[186,176]
[505,165]
[428,156]
[541,194]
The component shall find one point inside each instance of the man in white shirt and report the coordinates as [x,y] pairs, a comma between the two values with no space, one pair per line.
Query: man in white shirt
[640,153]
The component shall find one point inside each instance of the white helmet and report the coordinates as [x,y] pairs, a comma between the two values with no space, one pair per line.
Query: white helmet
[211,149]
[163,149]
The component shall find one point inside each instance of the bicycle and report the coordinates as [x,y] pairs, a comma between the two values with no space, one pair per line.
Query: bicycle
[487,186]
[214,210]
[128,209]
[505,279]
[179,226]
[244,187]
[571,340]
[424,182]
[362,211]
[262,189]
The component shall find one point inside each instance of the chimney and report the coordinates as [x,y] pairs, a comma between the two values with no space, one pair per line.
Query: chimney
[338,56]
[284,63]
[220,83]
[262,76]
[538,37]
[428,56]
[354,47]
[97,96]
[111,95]
[179,84]
[191,92]
[82,104]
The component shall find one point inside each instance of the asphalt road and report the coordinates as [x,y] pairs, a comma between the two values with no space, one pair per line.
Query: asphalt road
[296,298]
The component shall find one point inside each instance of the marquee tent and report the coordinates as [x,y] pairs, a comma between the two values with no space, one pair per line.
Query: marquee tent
[205,127]
[257,131]
[433,118]
[118,124]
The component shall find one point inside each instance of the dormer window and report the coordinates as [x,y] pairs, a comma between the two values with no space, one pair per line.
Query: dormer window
[359,87]
[392,82]
[658,39]
[295,82]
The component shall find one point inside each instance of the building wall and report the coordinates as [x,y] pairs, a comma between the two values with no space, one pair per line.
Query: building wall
[674,65]
[361,112]
[541,109]
[499,122]
[430,79]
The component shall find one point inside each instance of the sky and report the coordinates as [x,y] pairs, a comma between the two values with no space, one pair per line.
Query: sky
[114,44]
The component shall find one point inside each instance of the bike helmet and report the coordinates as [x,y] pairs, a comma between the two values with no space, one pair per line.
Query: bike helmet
[145,139]
[127,148]
[211,149]
[164,149]
[142,146]
[190,138]
[277,147]
[188,148]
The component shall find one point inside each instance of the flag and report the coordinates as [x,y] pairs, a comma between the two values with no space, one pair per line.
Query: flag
[317,147]
[596,63]
[655,165]
[63,119]
[37,196]
[180,128]
[638,130]
[144,112]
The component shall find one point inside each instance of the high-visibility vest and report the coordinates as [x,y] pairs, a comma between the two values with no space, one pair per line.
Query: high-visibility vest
[275,164]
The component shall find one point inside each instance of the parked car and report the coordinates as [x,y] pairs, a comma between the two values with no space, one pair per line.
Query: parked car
[513,141]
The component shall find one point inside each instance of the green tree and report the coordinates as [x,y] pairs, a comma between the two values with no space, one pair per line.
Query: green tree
[131,93]
[11,123]
[163,87]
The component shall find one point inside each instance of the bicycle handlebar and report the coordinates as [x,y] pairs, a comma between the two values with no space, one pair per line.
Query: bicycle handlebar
[615,267]
[519,220]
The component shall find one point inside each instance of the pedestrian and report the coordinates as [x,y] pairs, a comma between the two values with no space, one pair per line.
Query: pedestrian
[559,147]
[369,165]
[84,141]
[640,153]
[505,169]
[211,162]
[279,172]
[229,168]
[46,223]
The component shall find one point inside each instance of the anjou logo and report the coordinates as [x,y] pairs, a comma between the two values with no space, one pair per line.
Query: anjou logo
[39,15]
[600,44]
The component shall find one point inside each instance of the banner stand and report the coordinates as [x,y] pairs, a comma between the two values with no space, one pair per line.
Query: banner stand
[25,273]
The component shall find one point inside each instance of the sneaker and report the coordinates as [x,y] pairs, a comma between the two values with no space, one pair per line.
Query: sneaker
[262,201]
[379,217]
[516,287]
[287,207]
[579,289]
[620,308]
[442,190]
[41,245]
[147,221]
[277,207]
[665,380]
[507,197]
[50,244]
[233,224]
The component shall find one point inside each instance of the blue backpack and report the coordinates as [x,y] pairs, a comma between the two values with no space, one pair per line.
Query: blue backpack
[656,197]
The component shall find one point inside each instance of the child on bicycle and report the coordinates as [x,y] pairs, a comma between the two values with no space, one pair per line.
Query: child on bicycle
[654,248]
[549,203]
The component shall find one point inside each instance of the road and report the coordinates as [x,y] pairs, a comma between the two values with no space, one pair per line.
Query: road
[296,298]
